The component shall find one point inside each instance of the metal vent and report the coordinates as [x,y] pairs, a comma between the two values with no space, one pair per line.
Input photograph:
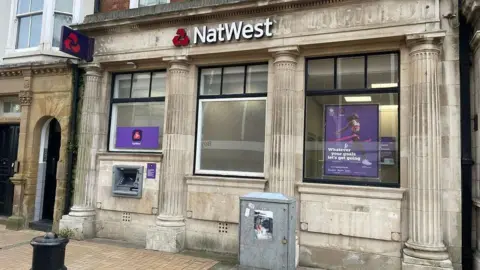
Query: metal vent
[223,227]
[126,217]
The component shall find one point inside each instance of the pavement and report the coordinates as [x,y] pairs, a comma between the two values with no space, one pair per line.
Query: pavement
[16,253]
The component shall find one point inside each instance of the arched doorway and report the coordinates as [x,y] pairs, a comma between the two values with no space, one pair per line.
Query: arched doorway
[47,175]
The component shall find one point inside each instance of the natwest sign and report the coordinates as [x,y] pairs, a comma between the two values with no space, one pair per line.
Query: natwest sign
[77,44]
[225,32]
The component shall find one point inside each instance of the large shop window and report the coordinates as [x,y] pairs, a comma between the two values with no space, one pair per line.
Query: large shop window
[231,120]
[352,120]
[137,113]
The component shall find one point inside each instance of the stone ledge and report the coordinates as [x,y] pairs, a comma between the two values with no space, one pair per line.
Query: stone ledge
[228,182]
[352,191]
[133,156]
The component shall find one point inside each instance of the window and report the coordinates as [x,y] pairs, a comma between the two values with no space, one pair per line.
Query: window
[29,16]
[144,3]
[38,23]
[62,14]
[9,106]
[231,120]
[137,113]
[352,120]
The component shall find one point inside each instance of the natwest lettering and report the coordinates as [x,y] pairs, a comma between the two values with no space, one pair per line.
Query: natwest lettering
[233,31]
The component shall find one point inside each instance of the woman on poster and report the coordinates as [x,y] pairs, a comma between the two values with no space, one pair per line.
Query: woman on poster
[353,123]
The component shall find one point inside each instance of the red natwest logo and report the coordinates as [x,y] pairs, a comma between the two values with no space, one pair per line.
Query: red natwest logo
[181,39]
[71,43]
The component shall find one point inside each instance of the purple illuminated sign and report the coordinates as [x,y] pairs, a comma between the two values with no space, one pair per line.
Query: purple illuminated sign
[151,170]
[77,44]
[351,140]
[137,137]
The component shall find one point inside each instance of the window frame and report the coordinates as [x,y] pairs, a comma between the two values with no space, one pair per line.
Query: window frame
[227,97]
[136,3]
[47,30]
[352,92]
[130,101]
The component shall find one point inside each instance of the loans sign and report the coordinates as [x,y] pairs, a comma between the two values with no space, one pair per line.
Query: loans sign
[224,33]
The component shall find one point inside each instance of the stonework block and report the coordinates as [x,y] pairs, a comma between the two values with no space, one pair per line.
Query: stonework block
[212,236]
[216,198]
[83,227]
[345,211]
[168,239]
[328,258]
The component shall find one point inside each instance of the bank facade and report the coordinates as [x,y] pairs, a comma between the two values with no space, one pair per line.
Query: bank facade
[189,106]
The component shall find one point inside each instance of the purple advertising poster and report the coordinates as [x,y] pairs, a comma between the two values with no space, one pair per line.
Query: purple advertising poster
[387,150]
[351,140]
[137,137]
[151,170]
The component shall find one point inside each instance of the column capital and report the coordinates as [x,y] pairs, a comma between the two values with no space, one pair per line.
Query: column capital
[93,69]
[25,97]
[285,54]
[425,42]
[177,62]
[475,42]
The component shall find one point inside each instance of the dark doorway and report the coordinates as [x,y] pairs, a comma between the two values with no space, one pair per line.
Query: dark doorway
[8,155]
[52,155]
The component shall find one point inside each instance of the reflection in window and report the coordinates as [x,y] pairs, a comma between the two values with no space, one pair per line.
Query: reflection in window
[137,112]
[231,130]
[352,136]
[144,3]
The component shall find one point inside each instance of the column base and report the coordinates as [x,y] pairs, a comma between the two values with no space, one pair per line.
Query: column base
[15,223]
[169,239]
[476,260]
[420,260]
[80,222]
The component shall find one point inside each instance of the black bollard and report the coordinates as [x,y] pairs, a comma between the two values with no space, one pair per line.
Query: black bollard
[49,252]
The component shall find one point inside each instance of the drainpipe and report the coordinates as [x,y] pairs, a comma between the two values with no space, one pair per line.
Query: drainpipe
[73,125]
[466,137]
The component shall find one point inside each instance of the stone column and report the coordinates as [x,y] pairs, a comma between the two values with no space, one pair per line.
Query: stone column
[425,248]
[283,104]
[17,220]
[169,232]
[475,45]
[81,218]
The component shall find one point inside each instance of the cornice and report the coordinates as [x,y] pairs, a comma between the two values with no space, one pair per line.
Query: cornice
[16,71]
[125,21]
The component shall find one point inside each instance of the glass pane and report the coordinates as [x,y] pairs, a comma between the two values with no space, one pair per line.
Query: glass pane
[11,106]
[351,73]
[233,78]
[158,84]
[321,74]
[257,79]
[232,136]
[211,79]
[23,32]
[36,30]
[23,6]
[143,3]
[37,5]
[122,86]
[353,137]
[141,85]
[382,70]
[64,5]
[145,116]
[59,21]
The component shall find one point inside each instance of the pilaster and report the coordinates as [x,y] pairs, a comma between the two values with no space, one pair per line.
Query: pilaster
[475,45]
[17,220]
[283,126]
[169,232]
[425,248]
[82,215]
